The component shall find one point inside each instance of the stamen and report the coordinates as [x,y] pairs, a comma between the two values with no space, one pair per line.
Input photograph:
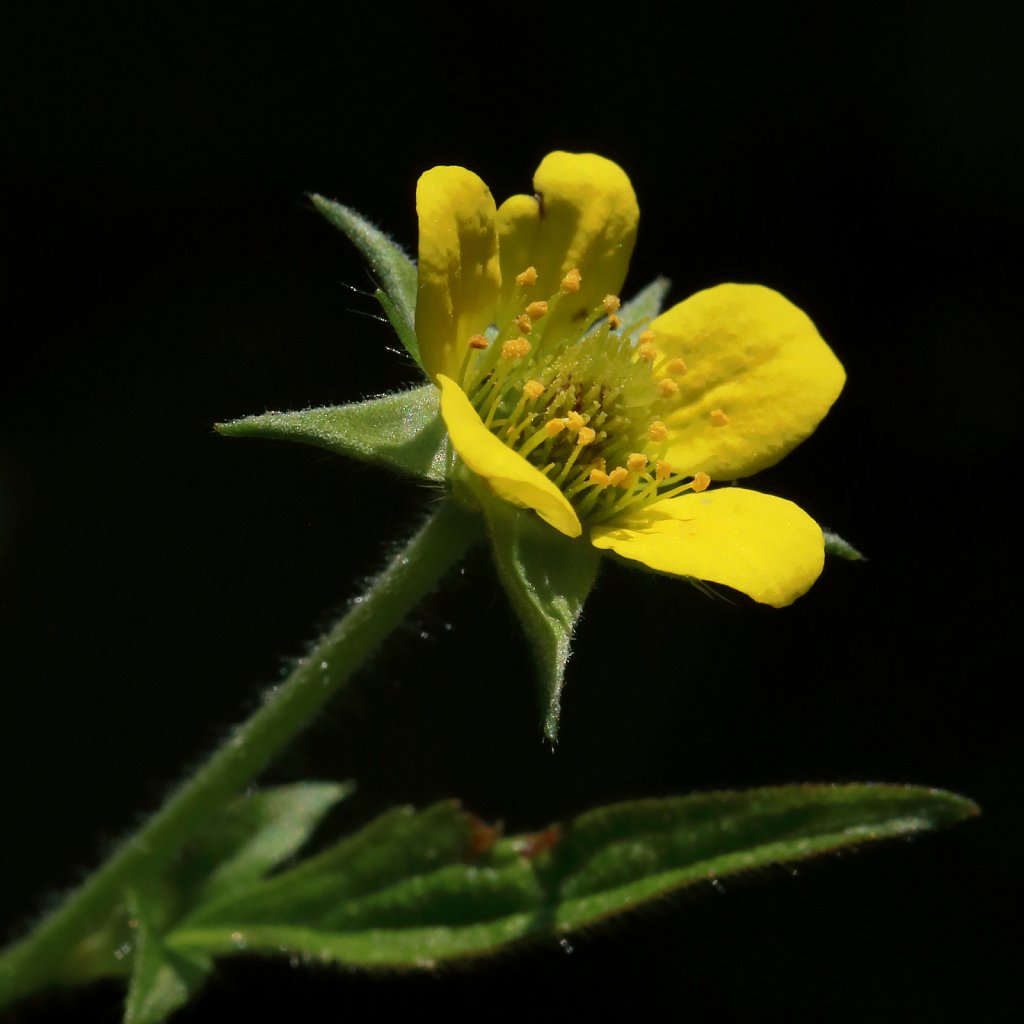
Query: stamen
[514,348]
[554,427]
[524,323]
[636,462]
[700,481]
[645,337]
[647,352]
[657,431]
[535,310]
[614,323]
[528,278]
[669,388]
[576,421]
[571,282]
[533,389]
[478,341]
[617,477]
[587,435]
[611,304]
[599,477]
[662,470]
[676,367]
[718,418]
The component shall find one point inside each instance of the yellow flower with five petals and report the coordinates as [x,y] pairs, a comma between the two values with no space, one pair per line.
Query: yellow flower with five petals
[555,400]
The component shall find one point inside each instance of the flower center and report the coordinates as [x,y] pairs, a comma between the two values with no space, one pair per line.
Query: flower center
[584,407]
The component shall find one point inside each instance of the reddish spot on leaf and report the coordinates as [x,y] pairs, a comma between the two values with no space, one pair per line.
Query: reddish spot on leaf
[534,844]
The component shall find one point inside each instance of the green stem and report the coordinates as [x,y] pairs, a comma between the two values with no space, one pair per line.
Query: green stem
[412,573]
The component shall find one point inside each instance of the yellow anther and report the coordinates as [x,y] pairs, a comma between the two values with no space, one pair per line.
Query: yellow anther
[575,421]
[614,323]
[535,310]
[668,387]
[598,463]
[645,338]
[554,427]
[676,367]
[478,341]
[700,481]
[524,323]
[515,348]
[657,431]
[718,418]
[662,470]
[599,477]
[527,278]
[587,435]
[611,304]
[636,462]
[647,352]
[571,282]
[617,476]
[533,389]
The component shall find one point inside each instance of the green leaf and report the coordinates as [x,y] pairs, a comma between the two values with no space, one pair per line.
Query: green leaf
[403,431]
[640,310]
[252,835]
[835,545]
[412,889]
[547,577]
[162,980]
[395,272]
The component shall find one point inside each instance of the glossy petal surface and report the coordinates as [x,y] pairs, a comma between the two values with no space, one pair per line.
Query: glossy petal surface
[759,379]
[459,277]
[584,216]
[764,546]
[510,476]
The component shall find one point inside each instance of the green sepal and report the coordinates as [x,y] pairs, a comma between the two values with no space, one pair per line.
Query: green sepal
[402,431]
[162,979]
[412,889]
[392,268]
[547,577]
[402,327]
[640,310]
[835,545]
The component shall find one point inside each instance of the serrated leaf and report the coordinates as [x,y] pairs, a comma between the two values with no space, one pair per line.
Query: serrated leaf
[251,836]
[395,272]
[640,310]
[403,431]
[413,889]
[163,979]
[835,545]
[547,577]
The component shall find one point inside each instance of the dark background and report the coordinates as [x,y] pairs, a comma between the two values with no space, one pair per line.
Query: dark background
[161,269]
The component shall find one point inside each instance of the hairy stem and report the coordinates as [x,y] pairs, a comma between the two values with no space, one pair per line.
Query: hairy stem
[36,960]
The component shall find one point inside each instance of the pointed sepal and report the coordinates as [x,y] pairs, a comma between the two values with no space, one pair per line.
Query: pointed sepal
[394,271]
[547,577]
[839,548]
[402,431]
[640,310]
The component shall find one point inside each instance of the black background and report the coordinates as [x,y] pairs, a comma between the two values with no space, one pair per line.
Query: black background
[161,270]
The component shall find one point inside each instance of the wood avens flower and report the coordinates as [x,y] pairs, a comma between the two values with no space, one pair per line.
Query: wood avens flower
[577,424]
[607,423]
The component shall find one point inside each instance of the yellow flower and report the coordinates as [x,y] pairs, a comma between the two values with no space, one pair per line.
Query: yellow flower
[607,428]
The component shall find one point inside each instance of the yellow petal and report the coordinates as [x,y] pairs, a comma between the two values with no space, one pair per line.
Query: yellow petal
[759,379]
[509,474]
[459,278]
[518,221]
[587,219]
[764,546]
